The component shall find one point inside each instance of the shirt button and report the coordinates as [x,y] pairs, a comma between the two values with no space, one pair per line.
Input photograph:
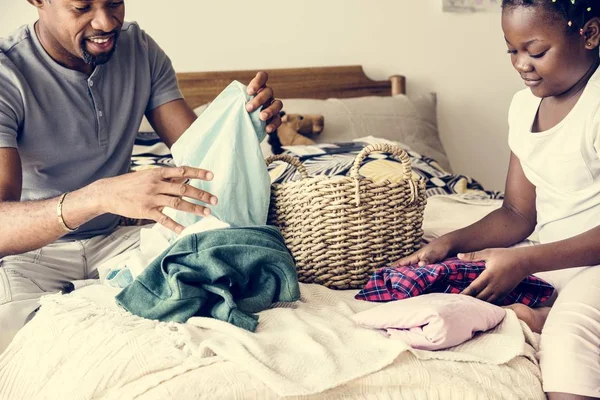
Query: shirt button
[91,83]
[100,113]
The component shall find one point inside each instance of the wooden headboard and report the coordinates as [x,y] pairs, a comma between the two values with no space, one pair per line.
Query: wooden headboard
[199,88]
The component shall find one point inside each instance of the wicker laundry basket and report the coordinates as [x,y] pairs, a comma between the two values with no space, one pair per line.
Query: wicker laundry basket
[341,228]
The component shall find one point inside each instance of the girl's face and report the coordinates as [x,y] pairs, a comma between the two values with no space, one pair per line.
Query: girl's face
[549,60]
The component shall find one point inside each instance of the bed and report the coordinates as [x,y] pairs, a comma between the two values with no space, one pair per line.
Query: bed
[82,346]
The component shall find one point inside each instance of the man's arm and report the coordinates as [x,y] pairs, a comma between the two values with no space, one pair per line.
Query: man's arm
[171,119]
[30,225]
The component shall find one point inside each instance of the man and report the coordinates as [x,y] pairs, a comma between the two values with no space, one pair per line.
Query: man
[73,89]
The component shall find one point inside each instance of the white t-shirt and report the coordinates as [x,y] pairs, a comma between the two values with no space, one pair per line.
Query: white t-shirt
[563,162]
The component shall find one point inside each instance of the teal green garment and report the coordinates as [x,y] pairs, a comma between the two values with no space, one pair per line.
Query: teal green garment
[227,274]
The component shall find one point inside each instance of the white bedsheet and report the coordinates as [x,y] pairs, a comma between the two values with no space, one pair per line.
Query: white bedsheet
[81,346]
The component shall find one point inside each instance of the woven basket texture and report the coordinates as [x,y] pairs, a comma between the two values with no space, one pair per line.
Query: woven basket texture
[341,229]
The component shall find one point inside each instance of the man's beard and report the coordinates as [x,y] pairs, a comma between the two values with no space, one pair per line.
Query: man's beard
[102,58]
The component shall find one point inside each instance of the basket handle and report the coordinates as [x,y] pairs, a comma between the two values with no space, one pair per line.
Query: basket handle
[400,154]
[394,150]
[293,161]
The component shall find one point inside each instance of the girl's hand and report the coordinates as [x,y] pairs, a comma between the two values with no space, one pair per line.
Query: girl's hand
[429,254]
[505,269]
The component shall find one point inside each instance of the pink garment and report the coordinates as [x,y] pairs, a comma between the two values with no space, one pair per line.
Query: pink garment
[433,321]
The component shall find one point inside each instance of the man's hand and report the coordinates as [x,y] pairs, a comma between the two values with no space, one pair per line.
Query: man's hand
[144,194]
[264,97]
[504,270]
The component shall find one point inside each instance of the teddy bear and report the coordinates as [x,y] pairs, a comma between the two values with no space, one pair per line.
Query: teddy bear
[295,130]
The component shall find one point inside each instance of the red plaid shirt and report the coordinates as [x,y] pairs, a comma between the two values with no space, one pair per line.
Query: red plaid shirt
[450,276]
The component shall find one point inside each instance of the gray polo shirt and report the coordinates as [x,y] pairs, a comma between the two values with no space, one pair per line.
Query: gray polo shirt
[72,129]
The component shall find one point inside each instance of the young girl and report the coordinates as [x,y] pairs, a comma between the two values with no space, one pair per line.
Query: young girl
[553,183]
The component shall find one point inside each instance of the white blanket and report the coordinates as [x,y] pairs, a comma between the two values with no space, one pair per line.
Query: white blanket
[81,346]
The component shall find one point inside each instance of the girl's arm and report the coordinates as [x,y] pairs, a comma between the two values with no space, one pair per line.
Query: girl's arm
[506,268]
[578,251]
[508,225]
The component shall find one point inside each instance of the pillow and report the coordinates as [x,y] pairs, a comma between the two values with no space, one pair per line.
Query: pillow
[411,121]
[337,159]
[199,110]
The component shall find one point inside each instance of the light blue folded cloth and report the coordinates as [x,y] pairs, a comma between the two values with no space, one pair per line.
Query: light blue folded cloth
[119,278]
[226,139]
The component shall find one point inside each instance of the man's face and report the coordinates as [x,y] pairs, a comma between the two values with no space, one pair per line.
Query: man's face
[85,30]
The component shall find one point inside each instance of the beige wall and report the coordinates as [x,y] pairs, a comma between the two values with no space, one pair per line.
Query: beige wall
[461,57]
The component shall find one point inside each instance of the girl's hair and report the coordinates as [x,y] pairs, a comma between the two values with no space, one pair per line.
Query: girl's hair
[575,13]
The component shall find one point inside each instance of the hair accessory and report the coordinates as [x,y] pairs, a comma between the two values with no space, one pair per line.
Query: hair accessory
[576,12]
[581,32]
